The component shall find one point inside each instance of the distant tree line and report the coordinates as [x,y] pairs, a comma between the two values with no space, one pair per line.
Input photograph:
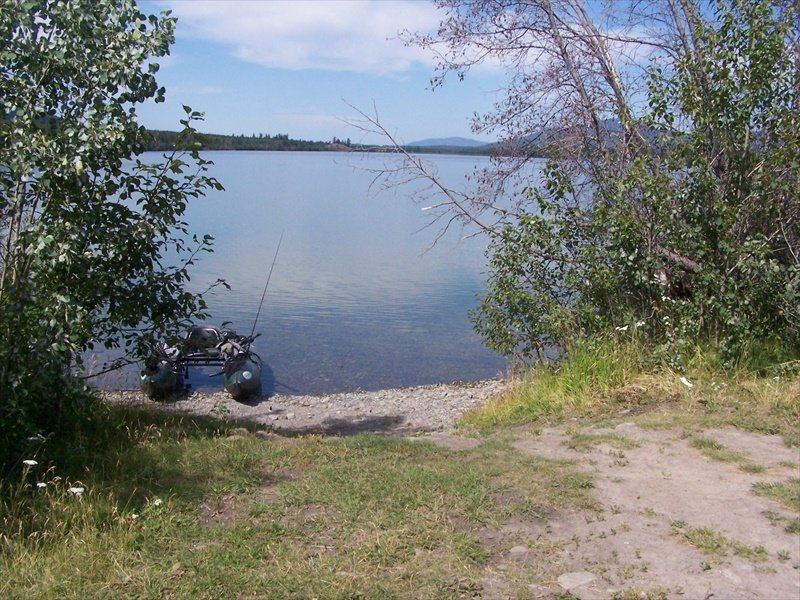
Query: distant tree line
[166,140]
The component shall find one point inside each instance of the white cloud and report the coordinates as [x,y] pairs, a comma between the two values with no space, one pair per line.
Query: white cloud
[313,118]
[208,90]
[336,35]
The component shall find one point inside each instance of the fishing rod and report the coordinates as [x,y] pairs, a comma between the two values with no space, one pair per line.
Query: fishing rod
[266,285]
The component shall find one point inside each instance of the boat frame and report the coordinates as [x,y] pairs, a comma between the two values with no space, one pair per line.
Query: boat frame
[203,346]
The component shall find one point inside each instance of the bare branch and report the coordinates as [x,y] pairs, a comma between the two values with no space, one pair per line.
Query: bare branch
[412,168]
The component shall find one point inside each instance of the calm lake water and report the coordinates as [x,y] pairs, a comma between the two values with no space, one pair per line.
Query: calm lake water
[360,298]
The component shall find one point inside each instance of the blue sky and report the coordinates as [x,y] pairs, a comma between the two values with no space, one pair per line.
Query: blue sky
[266,66]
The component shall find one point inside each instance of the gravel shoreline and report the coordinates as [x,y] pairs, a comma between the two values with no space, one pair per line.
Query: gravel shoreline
[400,411]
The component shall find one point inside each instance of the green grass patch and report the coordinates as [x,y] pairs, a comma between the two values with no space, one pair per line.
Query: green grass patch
[787,493]
[658,593]
[468,547]
[752,468]
[583,442]
[181,509]
[704,539]
[778,520]
[614,380]
[713,543]
[717,451]
[587,382]
[757,554]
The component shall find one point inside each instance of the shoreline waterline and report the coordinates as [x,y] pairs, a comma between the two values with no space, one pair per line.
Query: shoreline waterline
[402,410]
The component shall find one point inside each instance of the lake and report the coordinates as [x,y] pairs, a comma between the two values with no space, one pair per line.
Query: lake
[360,296]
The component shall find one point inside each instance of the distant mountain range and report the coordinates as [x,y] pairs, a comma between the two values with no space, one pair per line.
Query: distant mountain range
[450,142]
[611,130]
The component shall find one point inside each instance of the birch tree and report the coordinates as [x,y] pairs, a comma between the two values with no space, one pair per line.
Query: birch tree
[85,225]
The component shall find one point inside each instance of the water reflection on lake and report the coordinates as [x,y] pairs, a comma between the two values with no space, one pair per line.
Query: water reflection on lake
[358,298]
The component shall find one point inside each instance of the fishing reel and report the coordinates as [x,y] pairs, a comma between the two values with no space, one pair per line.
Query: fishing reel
[233,344]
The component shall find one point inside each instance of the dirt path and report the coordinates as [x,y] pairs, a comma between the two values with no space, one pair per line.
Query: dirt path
[674,520]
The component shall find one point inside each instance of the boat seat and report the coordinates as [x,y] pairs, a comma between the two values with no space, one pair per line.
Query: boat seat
[202,338]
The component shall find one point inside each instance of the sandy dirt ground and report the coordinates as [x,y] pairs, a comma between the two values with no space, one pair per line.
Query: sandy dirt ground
[659,493]
[672,522]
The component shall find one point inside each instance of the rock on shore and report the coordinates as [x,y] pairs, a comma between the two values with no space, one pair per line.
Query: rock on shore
[398,411]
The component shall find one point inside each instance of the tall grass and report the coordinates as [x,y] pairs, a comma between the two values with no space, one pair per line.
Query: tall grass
[617,374]
[589,373]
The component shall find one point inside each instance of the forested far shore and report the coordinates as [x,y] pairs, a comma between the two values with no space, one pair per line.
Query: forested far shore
[166,141]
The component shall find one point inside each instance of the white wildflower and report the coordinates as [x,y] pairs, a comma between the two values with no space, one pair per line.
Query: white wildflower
[134,516]
[623,328]
[76,491]
[29,462]
[687,383]
[41,485]
[640,323]
[157,502]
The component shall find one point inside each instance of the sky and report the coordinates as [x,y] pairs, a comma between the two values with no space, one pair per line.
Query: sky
[304,68]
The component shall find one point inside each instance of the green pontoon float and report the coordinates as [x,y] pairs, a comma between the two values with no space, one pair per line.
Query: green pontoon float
[165,372]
